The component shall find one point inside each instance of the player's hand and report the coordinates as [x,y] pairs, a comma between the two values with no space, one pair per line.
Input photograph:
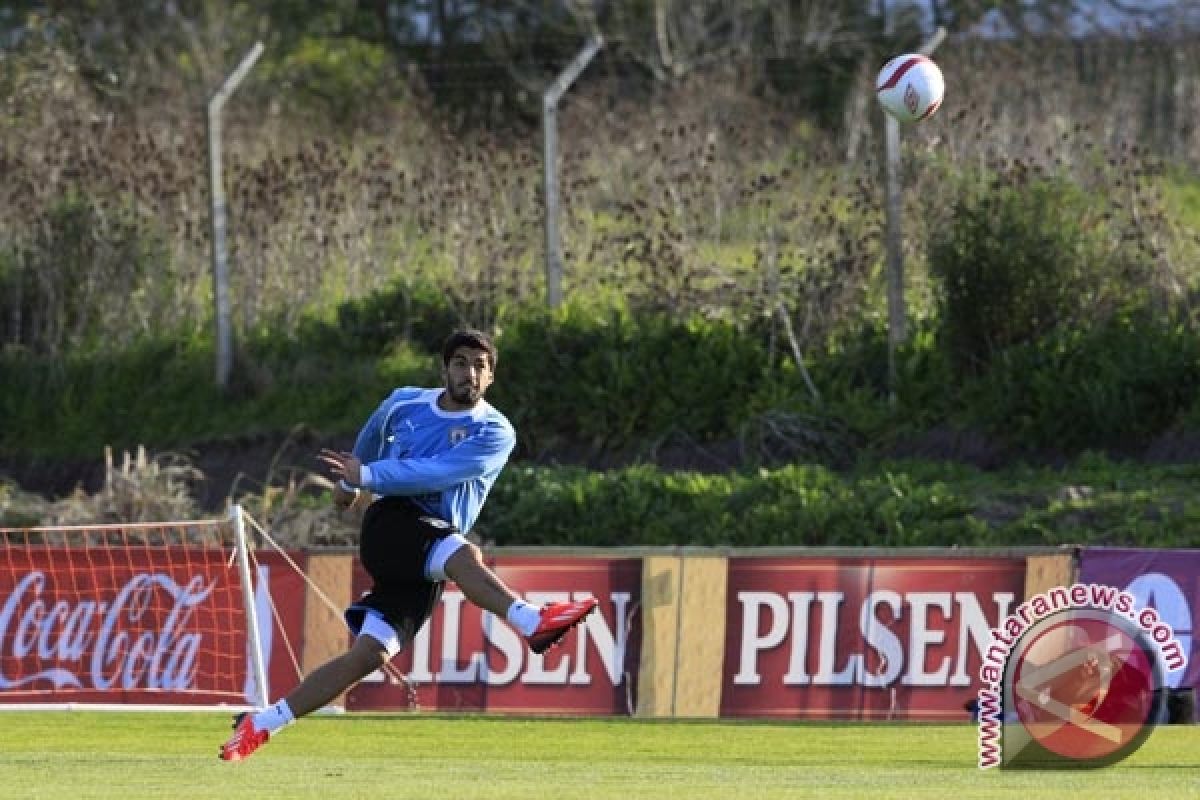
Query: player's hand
[343,498]
[344,466]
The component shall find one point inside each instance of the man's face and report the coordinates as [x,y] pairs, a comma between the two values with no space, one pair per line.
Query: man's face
[468,374]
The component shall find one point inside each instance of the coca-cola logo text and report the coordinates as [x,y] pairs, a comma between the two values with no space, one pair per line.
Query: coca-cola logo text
[138,640]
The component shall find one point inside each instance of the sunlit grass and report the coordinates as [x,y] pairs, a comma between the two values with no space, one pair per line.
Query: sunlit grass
[90,755]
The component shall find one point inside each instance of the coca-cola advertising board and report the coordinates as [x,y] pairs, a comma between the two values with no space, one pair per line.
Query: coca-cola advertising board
[157,625]
[465,659]
[861,638]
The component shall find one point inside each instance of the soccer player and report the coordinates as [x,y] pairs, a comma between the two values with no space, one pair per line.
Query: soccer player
[431,455]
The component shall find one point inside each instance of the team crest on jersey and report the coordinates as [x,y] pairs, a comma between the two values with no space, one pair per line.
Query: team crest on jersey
[457,435]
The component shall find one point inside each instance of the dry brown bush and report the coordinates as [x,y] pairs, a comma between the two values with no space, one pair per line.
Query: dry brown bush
[142,487]
[710,195]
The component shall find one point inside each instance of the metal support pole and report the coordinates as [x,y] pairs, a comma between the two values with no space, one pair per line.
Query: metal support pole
[550,100]
[223,313]
[897,310]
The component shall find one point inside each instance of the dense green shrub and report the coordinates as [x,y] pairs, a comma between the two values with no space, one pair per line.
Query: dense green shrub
[1116,385]
[405,311]
[1056,336]
[602,386]
[609,380]
[162,394]
[1021,257]
[889,504]
[336,78]
[853,377]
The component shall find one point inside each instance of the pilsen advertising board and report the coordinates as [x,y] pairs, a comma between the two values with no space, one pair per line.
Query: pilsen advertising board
[143,625]
[861,638]
[467,660]
[1167,581]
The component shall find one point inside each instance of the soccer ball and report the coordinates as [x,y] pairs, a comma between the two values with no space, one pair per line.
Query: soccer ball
[910,87]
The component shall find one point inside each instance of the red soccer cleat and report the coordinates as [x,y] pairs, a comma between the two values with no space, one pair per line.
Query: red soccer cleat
[245,739]
[557,619]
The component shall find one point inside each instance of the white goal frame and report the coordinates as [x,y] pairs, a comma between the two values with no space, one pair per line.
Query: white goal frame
[240,552]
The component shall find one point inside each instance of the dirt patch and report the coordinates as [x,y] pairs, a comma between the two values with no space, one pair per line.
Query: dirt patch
[1175,447]
[243,465]
[958,446]
[229,467]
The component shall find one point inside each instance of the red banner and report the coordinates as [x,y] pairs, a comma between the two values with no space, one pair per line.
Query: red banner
[466,659]
[861,638]
[135,625]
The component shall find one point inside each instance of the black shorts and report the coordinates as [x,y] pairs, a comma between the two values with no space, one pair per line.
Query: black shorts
[396,539]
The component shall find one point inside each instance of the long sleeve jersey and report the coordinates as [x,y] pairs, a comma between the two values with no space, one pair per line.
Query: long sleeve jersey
[446,461]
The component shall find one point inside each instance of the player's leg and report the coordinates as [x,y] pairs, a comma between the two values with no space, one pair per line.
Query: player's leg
[377,642]
[385,618]
[337,675]
[456,559]
[477,581]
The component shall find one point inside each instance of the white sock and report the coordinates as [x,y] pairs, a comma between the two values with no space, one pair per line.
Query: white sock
[274,717]
[523,616]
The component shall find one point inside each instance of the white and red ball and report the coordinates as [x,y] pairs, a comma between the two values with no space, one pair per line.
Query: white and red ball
[910,87]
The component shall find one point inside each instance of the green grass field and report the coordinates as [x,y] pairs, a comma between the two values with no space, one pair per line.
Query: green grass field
[94,755]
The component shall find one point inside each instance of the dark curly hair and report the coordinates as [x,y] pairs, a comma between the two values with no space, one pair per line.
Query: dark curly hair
[473,338]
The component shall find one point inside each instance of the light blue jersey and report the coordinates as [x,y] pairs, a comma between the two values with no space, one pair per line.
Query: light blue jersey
[446,461]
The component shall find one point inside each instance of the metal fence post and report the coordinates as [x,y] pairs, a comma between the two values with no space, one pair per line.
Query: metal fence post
[550,100]
[223,313]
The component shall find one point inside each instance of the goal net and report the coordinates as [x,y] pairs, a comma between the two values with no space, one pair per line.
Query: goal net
[145,615]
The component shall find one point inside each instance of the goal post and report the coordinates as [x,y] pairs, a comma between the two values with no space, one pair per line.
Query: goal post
[259,695]
[137,616]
